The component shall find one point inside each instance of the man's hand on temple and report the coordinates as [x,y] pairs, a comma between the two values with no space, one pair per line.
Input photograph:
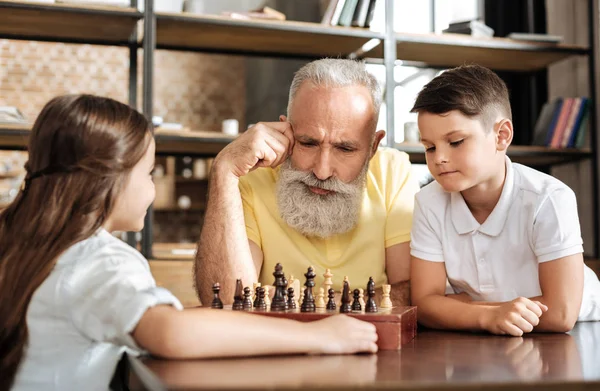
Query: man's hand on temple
[266,144]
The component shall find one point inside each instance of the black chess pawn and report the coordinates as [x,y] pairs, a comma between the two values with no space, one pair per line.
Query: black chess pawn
[291,303]
[278,302]
[247,304]
[331,301]
[261,305]
[238,298]
[255,304]
[371,305]
[356,303]
[216,303]
[308,304]
[346,307]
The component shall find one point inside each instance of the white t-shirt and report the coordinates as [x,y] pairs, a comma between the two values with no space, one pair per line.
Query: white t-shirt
[81,318]
[534,221]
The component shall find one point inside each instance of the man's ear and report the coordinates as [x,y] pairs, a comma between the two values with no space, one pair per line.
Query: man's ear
[379,135]
[282,118]
[504,134]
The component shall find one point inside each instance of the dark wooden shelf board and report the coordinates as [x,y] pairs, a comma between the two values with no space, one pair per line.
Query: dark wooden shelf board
[528,155]
[67,22]
[449,50]
[270,38]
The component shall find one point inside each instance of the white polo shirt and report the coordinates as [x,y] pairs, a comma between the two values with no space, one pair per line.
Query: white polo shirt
[534,221]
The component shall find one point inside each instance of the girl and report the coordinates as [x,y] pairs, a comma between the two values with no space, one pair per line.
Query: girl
[74,298]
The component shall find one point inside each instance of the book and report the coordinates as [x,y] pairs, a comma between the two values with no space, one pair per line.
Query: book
[328,15]
[535,37]
[552,126]
[583,127]
[335,18]
[370,13]
[347,13]
[471,27]
[543,122]
[561,124]
[570,127]
[360,13]
[579,123]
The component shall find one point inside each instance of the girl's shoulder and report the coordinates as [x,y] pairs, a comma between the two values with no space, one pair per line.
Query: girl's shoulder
[101,247]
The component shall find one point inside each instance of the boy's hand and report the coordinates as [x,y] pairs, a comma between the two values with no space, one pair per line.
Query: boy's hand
[266,144]
[513,318]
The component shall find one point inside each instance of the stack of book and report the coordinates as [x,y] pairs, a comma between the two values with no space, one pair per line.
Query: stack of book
[562,123]
[355,13]
[470,27]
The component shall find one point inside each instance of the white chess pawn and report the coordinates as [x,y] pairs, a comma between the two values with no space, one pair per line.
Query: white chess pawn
[267,298]
[361,297]
[386,302]
[320,302]
[327,282]
[295,283]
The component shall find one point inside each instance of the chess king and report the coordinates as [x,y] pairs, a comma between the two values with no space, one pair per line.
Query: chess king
[313,189]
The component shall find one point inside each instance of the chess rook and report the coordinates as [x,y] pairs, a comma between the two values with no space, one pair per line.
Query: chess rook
[308,304]
[386,302]
[216,303]
[238,298]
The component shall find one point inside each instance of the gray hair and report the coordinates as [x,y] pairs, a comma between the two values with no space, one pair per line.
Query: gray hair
[335,72]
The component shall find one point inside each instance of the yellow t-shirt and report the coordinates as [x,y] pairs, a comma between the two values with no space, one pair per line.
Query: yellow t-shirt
[385,220]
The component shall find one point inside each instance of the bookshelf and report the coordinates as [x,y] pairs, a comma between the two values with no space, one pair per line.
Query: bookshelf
[216,34]
[71,23]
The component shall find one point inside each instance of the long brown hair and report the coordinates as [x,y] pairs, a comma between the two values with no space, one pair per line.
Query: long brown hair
[81,149]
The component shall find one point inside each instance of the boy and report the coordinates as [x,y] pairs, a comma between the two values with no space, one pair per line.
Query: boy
[505,236]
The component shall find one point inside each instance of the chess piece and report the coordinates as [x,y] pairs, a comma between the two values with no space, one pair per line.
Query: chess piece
[386,302]
[356,303]
[267,288]
[291,300]
[256,285]
[327,282]
[238,298]
[361,297]
[345,306]
[285,292]
[295,283]
[308,304]
[254,291]
[320,302]
[331,301]
[342,290]
[247,304]
[370,305]
[260,304]
[216,303]
[278,303]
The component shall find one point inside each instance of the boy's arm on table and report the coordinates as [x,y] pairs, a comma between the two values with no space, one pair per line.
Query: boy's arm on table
[561,282]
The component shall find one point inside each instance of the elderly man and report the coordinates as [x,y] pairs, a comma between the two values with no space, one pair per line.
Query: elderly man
[311,190]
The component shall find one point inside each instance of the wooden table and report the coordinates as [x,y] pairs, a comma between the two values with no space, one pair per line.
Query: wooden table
[435,360]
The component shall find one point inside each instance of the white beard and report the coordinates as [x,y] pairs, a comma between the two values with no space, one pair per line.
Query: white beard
[319,215]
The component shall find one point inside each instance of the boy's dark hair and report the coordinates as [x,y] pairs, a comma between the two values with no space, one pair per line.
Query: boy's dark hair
[471,89]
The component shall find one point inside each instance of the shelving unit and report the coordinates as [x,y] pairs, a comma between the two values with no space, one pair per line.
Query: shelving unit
[215,34]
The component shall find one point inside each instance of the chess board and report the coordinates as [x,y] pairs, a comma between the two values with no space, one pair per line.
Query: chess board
[395,327]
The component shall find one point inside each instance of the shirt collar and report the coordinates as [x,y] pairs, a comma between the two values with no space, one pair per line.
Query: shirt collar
[463,219]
